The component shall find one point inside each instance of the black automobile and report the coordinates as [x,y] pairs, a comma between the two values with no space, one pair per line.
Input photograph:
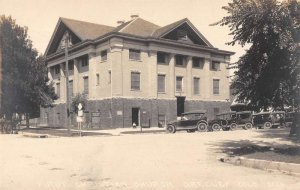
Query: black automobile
[190,121]
[231,120]
[269,119]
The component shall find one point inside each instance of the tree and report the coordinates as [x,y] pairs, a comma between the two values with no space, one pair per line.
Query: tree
[25,84]
[268,74]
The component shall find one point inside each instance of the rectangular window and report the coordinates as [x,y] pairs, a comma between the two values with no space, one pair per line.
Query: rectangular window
[109,77]
[84,61]
[134,54]
[58,89]
[180,60]
[161,79]
[179,84]
[162,57]
[216,86]
[216,111]
[215,65]
[135,81]
[97,79]
[196,85]
[86,85]
[198,62]
[71,65]
[70,89]
[104,55]
[56,69]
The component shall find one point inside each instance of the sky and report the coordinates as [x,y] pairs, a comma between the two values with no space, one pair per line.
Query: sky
[41,16]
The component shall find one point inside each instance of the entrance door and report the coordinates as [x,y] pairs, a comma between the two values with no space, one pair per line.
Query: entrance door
[136,116]
[180,105]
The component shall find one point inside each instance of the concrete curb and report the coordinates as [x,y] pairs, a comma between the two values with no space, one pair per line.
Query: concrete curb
[289,168]
[35,135]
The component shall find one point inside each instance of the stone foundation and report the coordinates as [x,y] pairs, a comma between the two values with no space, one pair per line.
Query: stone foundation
[117,112]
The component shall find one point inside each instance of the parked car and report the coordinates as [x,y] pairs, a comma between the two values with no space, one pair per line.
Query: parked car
[231,120]
[190,121]
[269,119]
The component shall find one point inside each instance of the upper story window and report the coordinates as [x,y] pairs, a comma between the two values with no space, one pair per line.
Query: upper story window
[57,69]
[198,62]
[104,55]
[71,65]
[179,80]
[134,54]
[216,86]
[161,83]
[180,60]
[86,85]
[135,80]
[84,61]
[58,89]
[215,65]
[162,58]
[196,85]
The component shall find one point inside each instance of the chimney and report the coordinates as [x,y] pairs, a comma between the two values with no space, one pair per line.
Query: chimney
[134,16]
[120,22]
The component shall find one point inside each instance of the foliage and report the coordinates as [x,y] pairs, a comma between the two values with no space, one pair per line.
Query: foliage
[268,73]
[24,84]
[78,98]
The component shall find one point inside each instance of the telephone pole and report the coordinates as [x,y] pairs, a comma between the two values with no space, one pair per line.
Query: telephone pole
[68,126]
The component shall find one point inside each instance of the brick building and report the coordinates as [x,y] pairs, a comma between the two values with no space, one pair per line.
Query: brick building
[137,72]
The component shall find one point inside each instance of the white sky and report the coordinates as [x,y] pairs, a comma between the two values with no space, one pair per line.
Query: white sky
[41,16]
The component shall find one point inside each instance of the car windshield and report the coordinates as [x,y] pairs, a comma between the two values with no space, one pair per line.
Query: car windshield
[193,116]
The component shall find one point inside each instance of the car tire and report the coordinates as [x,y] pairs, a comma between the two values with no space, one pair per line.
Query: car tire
[268,125]
[248,126]
[233,126]
[216,127]
[171,129]
[202,127]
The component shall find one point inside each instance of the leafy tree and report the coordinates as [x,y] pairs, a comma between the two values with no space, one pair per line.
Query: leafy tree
[78,98]
[268,74]
[24,82]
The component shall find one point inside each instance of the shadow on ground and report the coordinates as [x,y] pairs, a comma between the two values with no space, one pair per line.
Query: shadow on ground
[148,131]
[55,131]
[281,134]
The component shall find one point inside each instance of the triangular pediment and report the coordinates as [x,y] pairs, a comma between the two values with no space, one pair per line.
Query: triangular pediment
[57,41]
[183,31]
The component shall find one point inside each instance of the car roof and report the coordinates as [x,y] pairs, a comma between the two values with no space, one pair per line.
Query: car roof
[265,113]
[194,111]
[241,112]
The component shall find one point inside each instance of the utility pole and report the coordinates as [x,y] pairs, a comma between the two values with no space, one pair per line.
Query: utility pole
[67,84]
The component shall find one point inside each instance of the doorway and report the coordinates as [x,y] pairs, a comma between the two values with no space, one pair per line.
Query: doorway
[136,116]
[180,105]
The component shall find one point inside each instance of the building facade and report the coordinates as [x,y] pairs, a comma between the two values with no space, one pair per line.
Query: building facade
[137,72]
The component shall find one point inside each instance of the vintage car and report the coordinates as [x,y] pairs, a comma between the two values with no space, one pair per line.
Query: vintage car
[190,121]
[231,120]
[269,119]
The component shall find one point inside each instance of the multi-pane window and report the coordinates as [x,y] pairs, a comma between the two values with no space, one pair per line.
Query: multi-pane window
[97,79]
[56,69]
[216,86]
[180,60]
[198,62]
[162,57]
[58,89]
[134,54]
[84,61]
[161,80]
[85,85]
[215,65]
[196,85]
[70,88]
[179,84]
[104,55]
[135,80]
[71,65]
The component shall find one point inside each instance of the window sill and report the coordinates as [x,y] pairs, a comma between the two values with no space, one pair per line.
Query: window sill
[161,93]
[159,63]
[135,90]
[183,66]
[103,61]
[137,60]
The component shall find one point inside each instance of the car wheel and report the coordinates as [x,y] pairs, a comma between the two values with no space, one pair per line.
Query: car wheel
[202,127]
[233,126]
[248,126]
[268,125]
[216,127]
[171,129]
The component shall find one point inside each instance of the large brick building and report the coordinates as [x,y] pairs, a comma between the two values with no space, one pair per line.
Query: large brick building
[137,72]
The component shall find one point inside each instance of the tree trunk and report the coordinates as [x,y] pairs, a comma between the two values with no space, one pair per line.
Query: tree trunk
[27,120]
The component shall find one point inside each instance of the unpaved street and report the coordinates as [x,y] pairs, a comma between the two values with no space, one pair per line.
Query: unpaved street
[141,161]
